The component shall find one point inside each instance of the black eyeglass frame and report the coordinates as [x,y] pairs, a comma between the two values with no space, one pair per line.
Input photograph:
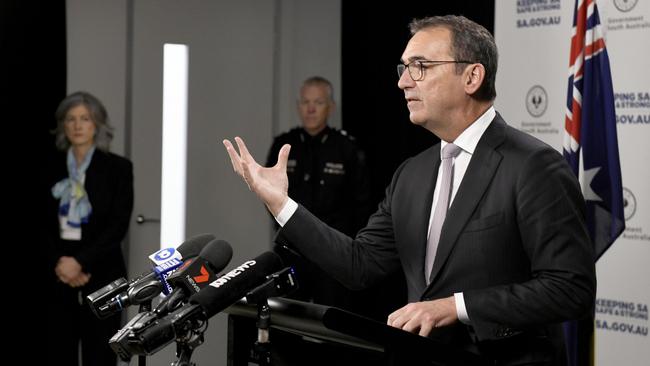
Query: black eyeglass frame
[401,67]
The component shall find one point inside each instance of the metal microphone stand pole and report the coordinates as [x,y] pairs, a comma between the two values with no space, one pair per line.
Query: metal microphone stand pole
[262,347]
[277,284]
[144,307]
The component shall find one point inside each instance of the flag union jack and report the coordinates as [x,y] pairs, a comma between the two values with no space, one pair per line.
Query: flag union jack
[590,141]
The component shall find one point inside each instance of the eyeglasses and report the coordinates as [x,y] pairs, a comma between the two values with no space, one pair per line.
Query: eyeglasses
[416,68]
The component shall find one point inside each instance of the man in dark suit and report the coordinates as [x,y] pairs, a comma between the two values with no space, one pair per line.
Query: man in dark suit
[492,240]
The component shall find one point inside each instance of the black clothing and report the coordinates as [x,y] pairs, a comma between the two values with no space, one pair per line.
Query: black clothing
[516,246]
[109,185]
[328,175]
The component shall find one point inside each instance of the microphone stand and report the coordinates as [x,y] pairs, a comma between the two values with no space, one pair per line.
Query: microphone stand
[186,346]
[277,284]
[144,307]
[189,336]
[262,348]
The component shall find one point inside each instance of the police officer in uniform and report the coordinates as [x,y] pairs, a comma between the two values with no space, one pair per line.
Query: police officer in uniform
[328,175]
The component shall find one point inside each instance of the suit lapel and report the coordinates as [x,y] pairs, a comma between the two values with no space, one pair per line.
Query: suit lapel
[477,178]
[421,215]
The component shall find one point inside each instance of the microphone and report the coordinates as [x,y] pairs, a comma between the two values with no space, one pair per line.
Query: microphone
[234,285]
[112,298]
[212,258]
[145,335]
[195,274]
[166,260]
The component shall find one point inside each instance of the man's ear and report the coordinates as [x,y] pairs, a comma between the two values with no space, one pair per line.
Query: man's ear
[474,76]
[332,107]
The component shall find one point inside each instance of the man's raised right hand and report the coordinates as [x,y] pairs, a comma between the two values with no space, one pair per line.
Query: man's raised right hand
[270,184]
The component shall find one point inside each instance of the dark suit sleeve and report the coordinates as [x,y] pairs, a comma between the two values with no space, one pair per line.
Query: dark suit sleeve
[357,263]
[110,233]
[359,185]
[550,217]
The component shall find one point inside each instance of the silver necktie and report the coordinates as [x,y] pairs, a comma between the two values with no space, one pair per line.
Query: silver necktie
[449,152]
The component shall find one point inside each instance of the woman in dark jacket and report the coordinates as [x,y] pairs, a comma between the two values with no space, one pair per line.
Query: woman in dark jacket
[89,213]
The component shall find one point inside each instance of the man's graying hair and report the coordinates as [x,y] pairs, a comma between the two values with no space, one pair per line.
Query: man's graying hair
[319,80]
[469,41]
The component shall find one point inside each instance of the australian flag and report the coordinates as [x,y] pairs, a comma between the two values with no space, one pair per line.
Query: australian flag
[590,143]
[591,148]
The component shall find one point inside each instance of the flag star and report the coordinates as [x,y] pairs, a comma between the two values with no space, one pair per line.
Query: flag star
[585,184]
[586,177]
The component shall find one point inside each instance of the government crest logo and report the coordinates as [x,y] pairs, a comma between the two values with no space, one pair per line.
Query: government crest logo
[536,101]
[625,5]
[629,203]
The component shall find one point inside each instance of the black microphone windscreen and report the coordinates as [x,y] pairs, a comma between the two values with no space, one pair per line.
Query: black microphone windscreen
[218,253]
[234,285]
[193,246]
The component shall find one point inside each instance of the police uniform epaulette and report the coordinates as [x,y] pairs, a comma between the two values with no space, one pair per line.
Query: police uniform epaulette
[345,133]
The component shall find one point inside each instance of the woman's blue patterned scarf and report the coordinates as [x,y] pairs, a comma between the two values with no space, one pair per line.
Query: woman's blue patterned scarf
[74,201]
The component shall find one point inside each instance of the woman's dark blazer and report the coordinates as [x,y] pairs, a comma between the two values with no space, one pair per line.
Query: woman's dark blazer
[109,185]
